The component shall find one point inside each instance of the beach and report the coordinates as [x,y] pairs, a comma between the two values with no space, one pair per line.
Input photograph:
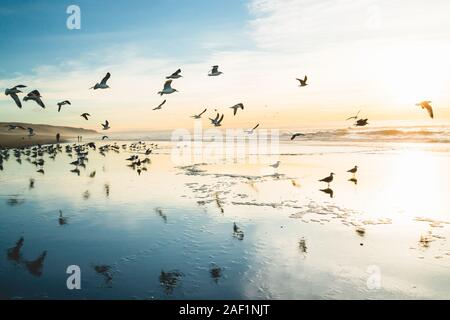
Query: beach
[231,230]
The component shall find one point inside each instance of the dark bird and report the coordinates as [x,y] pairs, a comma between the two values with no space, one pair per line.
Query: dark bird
[61,220]
[102,84]
[60,104]
[35,96]
[361,122]
[295,135]
[12,92]
[160,105]
[426,105]
[303,82]
[106,125]
[214,71]
[175,75]
[217,120]
[236,107]
[328,191]
[85,116]
[353,170]
[198,116]
[328,179]
[105,137]
[354,117]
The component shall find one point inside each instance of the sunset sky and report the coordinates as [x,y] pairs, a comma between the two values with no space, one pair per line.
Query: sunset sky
[379,56]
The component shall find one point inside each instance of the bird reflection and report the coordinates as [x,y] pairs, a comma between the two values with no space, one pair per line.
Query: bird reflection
[328,191]
[354,180]
[13,253]
[237,232]
[215,272]
[107,189]
[161,214]
[31,184]
[35,266]
[170,280]
[302,246]
[105,271]
[218,202]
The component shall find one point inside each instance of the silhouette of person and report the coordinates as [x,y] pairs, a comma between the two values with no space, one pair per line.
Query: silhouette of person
[58,137]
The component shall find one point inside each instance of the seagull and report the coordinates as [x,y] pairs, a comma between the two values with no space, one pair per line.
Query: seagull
[303,82]
[295,135]
[276,165]
[167,88]
[175,75]
[13,127]
[60,104]
[328,179]
[102,84]
[215,71]
[236,107]
[30,132]
[86,115]
[35,96]
[160,105]
[361,122]
[106,125]
[198,116]
[354,117]
[217,121]
[426,105]
[13,93]
[252,130]
[353,170]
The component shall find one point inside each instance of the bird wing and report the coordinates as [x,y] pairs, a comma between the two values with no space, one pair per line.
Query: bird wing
[67,102]
[34,93]
[215,69]
[306,78]
[217,117]
[106,78]
[221,118]
[16,99]
[256,127]
[161,104]
[19,86]
[176,72]
[167,85]
[427,106]
[106,123]
[39,102]
[59,107]
[202,112]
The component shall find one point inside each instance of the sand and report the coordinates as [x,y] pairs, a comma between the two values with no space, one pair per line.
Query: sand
[45,134]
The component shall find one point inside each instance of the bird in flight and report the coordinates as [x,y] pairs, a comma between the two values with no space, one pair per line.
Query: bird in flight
[236,107]
[86,115]
[35,96]
[13,127]
[217,121]
[426,105]
[105,137]
[102,84]
[198,116]
[361,122]
[354,117]
[215,71]
[303,82]
[295,135]
[252,129]
[175,75]
[160,105]
[167,88]
[328,179]
[12,92]
[106,125]
[60,104]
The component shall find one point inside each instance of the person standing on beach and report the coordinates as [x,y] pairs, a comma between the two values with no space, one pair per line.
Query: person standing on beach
[58,137]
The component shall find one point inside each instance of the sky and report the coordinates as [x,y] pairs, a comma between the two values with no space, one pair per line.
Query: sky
[380,56]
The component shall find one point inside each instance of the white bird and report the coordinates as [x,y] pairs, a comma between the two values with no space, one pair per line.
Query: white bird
[214,71]
[236,107]
[175,75]
[426,105]
[35,96]
[60,104]
[13,93]
[167,88]
[303,82]
[160,105]
[198,116]
[276,164]
[106,125]
[252,130]
[217,120]
[102,84]
[30,132]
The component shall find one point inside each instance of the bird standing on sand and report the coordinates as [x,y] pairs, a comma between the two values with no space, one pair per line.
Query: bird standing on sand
[214,71]
[167,88]
[236,107]
[328,179]
[217,121]
[60,104]
[102,84]
[175,75]
[252,130]
[12,92]
[303,81]
[353,170]
[276,165]
[295,135]
[160,105]
[35,96]
[198,116]
[426,105]
[106,125]
[85,116]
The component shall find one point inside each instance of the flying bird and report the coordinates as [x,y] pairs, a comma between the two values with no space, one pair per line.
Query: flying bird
[354,117]
[217,120]
[102,84]
[106,125]
[198,116]
[105,137]
[303,82]
[252,130]
[295,135]
[13,127]
[214,71]
[13,93]
[236,107]
[160,105]
[426,105]
[60,104]
[167,88]
[175,75]
[35,96]
[85,116]
[328,179]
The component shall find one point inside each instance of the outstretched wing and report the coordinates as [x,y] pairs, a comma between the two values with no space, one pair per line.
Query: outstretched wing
[19,86]
[202,112]
[167,85]
[16,99]
[34,93]
[176,72]
[221,118]
[39,102]
[106,78]
[427,106]
[256,127]
[106,123]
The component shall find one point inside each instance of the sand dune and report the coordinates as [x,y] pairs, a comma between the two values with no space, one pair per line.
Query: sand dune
[44,134]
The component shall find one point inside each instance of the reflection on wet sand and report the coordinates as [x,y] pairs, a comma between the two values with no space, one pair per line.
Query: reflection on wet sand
[34,267]
[328,191]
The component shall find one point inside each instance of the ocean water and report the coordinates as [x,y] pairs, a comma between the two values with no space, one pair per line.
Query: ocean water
[168,232]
